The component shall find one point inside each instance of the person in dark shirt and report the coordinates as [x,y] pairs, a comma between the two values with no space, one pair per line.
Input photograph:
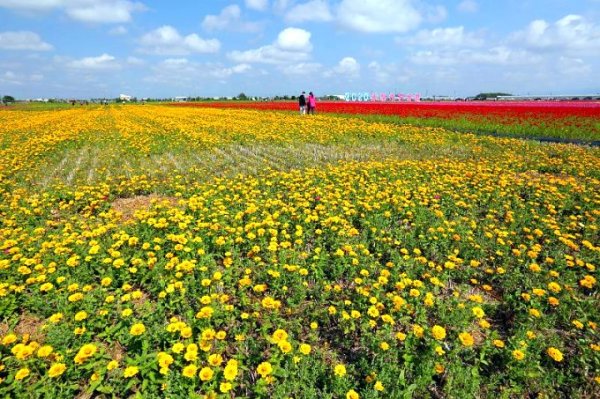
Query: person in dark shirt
[302,103]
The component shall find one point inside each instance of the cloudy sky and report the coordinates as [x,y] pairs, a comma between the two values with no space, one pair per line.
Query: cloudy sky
[154,48]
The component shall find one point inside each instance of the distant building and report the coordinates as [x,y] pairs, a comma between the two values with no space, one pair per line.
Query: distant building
[180,99]
[125,97]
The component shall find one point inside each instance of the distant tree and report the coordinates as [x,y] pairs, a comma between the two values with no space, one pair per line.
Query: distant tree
[8,99]
[242,97]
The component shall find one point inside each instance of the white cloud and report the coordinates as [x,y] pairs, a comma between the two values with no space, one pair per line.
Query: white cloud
[574,67]
[281,5]
[31,5]
[443,37]
[134,61]
[378,16]
[102,62]
[469,6]
[348,67]
[294,39]
[167,41]
[259,5]
[223,72]
[571,33]
[183,72]
[499,55]
[302,68]
[9,77]
[23,40]
[106,11]
[435,14]
[118,31]
[292,45]
[230,18]
[389,73]
[314,10]
[113,11]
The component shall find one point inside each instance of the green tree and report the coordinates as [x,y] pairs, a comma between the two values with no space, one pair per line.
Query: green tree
[8,99]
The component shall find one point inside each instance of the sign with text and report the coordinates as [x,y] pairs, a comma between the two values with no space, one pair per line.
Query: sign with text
[366,96]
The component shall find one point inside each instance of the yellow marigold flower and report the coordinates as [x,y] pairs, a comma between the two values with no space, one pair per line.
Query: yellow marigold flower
[46,287]
[130,371]
[378,386]
[577,324]
[178,347]
[9,339]
[518,354]
[230,371]
[56,370]
[439,368]
[137,329]
[478,312]
[186,332]
[466,339]
[190,370]
[264,369]
[418,330]
[339,370]
[305,349]
[45,351]
[113,364]
[352,394]
[22,373]
[498,343]
[206,374]
[400,336]
[75,297]
[164,359]
[79,330]
[225,387]
[205,312]
[554,287]
[279,335]
[215,359]
[438,332]
[555,354]
[285,346]
[85,352]
[82,315]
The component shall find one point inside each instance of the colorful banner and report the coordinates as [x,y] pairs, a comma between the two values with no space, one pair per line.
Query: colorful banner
[366,96]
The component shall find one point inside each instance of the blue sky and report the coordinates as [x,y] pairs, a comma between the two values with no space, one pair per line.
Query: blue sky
[153,48]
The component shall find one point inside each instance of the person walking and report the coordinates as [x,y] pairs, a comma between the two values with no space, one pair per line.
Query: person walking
[312,103]
[302,103]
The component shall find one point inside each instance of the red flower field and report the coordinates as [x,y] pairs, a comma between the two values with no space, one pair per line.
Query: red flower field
[559,119]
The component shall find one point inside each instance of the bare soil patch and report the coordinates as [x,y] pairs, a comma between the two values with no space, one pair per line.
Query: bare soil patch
[127,207]
[31,325]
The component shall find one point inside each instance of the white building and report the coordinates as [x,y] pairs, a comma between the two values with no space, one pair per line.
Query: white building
[124,97]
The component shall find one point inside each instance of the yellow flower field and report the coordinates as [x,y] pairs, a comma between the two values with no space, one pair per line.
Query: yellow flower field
[154,251]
